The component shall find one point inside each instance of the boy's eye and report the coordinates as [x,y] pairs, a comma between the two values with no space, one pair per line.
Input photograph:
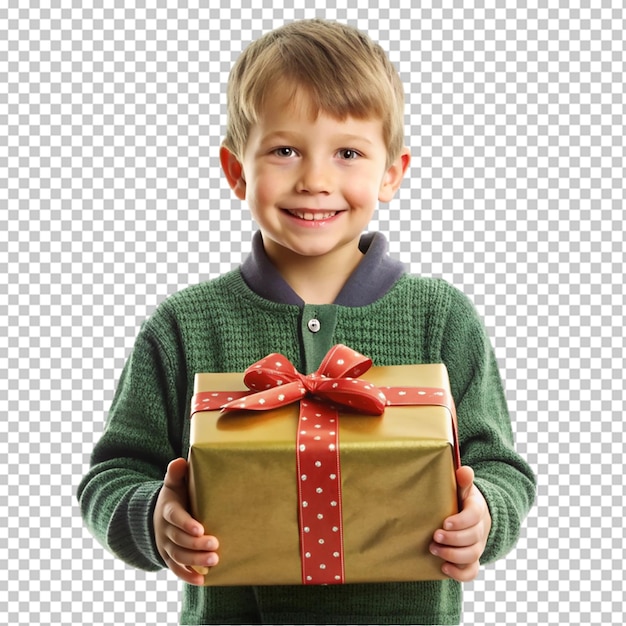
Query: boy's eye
[348,154]
[284,151]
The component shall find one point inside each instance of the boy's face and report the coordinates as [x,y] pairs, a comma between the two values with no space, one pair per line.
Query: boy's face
[312,183]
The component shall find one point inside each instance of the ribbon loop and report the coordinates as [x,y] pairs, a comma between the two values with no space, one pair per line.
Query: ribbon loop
[343,362]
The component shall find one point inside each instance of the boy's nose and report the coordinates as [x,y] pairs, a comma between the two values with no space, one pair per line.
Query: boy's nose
[314,178]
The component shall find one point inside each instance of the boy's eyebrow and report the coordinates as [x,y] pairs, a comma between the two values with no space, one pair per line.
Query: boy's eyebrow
[350,138]
[295,136]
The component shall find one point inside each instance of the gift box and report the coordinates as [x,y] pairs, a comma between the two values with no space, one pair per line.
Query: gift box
[362,506]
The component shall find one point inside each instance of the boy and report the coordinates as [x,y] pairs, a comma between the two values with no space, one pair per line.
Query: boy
[314,142]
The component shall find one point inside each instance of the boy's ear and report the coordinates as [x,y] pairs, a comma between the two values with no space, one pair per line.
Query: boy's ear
[233,171]
[393,176]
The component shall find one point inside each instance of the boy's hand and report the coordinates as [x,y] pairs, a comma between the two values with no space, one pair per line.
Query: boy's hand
[462,540]
[180,539]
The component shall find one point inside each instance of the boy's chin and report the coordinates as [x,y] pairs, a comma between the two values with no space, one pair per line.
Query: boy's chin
[323,250]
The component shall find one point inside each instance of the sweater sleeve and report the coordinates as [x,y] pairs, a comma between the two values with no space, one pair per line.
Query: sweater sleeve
[143,432]
[485,434]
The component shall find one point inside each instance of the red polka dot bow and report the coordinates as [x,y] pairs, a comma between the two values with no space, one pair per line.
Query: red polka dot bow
[277,383]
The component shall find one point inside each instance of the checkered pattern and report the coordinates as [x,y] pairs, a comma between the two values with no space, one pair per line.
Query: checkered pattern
[111,198]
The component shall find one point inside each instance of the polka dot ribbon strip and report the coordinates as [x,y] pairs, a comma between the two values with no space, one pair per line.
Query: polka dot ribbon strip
[319,494]
[275,382]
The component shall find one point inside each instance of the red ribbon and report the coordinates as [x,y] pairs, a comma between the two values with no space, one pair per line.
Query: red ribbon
[275,382]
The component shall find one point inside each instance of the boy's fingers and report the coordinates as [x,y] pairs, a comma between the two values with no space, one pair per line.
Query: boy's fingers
[183,543]
[187,558]
[463,574]
[457,556]
[186,574]
[201,543]
[468,517]
[177,516]
[457,539]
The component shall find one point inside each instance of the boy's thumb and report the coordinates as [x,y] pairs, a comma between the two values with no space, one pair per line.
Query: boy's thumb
[176,473]
[464,480]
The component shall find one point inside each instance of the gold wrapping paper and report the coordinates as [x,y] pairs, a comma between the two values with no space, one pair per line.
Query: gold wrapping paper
[398,485]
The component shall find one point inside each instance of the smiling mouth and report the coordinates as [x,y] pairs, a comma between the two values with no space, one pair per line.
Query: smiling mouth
[312,216]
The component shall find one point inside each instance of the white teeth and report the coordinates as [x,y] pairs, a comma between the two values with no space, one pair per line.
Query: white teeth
[310,216]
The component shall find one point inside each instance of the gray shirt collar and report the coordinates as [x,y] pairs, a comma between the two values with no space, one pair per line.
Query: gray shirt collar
[372,279]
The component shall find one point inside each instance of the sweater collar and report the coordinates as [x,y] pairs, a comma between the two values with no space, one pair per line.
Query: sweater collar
[372,279]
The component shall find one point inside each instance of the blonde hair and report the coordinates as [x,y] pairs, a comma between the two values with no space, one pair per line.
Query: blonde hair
[341,70]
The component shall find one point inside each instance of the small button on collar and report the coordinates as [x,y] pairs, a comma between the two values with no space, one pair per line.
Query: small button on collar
[313,325]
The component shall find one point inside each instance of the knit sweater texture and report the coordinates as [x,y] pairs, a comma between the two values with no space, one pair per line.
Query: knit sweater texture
[223,326]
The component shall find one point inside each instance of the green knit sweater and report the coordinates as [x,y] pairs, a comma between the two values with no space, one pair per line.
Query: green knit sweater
[221,325]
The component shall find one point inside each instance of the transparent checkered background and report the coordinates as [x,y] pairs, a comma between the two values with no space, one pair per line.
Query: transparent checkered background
[111,198]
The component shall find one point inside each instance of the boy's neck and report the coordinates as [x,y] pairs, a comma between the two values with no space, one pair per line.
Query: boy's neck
[316,279]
